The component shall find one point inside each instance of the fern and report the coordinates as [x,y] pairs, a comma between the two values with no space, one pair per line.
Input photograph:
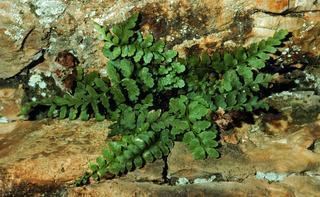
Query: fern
[91,97]
[154,99]
[235,77]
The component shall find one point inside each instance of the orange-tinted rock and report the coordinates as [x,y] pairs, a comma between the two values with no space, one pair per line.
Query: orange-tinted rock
[10,102]
[289,153]
[251,187]
[38,153]
[276,6]
[21,40]
[54,154]
[231,166]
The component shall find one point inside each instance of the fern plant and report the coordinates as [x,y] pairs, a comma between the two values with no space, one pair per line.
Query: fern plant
[233,79]
[90,98]
[154,98]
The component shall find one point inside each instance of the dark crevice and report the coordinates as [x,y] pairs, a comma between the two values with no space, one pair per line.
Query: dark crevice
[285,13]
[165,170]
[25,39]
[22,76]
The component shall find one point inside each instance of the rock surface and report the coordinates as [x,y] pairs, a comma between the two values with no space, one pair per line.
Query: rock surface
[34,30]
[10,102]
[45,157]
[276,156]
[22,39]
[43,153]
[292,186]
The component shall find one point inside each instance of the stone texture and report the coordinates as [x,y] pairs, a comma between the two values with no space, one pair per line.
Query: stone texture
[292,186]
[45,157]
[32,28]
[289,153]
[277,6]
[21,38]
[231,166]
[41,153]
[10,102]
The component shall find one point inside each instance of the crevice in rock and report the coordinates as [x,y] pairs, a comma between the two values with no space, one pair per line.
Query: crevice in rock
[30,189]
[289,12]
[25,39]
[165,170]
[22,76]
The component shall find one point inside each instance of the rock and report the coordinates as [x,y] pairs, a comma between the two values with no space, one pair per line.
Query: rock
[299,106]
[277,6]
[224,23]
[280,6]
[48,154]
[291,186]
[264,25]
[48,10]
[305,5]
[152,172]
[288,153]
[231,166]
[21,40]
[10,102]
[304,186]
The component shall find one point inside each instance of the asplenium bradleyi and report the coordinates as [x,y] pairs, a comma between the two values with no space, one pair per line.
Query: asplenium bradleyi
[154,98]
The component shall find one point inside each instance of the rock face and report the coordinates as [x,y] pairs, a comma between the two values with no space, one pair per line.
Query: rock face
[40,39]
[40,29]
[10,102]
[44,155]
[22,39]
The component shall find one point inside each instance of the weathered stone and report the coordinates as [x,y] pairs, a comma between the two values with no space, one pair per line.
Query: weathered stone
[38,153]
[304,5]
[277,6]
[292,186]
[21,40]
[10,102]
[231,166]
[153,172]
[54,154]
[287,153]
[299,106]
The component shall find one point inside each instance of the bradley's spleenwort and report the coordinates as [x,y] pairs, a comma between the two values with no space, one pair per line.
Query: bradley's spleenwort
[154,98]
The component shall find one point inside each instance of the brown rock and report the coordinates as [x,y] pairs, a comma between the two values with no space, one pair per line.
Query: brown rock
[231,166]
[288,153]
[303,185]
[277,6]
[21,41]
[10,102]
[152,172]
[51,156]
[38,153]
[292,186]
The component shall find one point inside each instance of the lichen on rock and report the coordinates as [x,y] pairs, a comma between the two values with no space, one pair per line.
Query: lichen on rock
[48,10]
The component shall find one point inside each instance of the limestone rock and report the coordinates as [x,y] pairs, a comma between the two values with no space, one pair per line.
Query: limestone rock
[21,39]
[231,166]
[287,153]
[38,153]
[277,6]
[250,187]
[10,102]
[51,155]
